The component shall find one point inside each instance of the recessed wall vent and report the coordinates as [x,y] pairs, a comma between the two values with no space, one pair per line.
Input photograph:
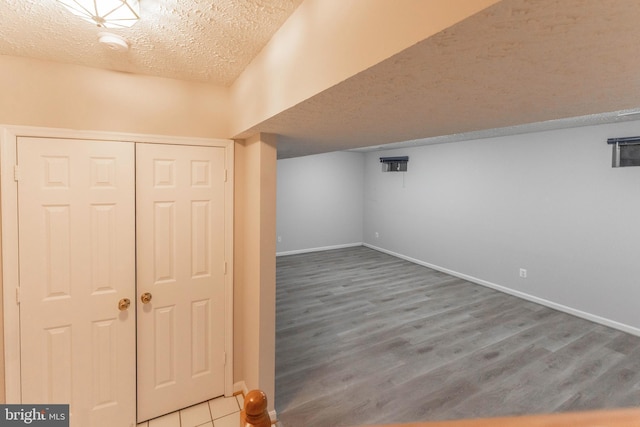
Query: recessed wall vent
[394,164]
[626,151]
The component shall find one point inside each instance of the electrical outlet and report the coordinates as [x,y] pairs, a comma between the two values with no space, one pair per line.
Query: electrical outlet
[377,235]
[279,239]
[523,273]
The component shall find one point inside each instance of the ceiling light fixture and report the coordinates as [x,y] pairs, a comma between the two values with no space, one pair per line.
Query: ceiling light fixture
[113,42]
[105,13]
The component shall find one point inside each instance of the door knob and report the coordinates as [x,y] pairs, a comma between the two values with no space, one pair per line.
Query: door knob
[146,297]
[124,304]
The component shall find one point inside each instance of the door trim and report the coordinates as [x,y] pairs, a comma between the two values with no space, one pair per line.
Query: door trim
[9,236]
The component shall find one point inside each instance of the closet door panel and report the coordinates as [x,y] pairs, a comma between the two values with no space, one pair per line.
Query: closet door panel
[76,262]
[180,211]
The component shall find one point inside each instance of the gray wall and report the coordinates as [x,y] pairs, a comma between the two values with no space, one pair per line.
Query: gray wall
[319,202]
[548,202]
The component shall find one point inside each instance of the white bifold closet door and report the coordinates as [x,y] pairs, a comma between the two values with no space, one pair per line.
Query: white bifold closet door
[181,272]
[77,261]
[86,211]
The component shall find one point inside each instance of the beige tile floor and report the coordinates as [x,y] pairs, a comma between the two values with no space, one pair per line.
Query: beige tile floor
[220,412]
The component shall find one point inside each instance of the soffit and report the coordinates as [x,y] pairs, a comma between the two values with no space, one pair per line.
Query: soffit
[518,66]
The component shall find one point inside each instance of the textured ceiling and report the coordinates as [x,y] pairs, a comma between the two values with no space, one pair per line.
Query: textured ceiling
[200,40]
[518,66]
[533,62]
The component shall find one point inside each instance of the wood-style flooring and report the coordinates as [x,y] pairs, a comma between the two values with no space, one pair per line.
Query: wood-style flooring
[368,338]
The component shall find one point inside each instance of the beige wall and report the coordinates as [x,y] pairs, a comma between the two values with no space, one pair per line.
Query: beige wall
[49,94]
[327,41]
[2,394]
[255,261]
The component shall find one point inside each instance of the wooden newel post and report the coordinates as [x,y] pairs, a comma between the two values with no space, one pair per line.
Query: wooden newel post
[255,412]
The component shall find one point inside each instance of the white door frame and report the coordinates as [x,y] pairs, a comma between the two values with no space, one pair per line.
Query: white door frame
[9,211]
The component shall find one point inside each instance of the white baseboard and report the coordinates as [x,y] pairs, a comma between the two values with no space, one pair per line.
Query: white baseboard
[578,313]
[240,387]
[323,248]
